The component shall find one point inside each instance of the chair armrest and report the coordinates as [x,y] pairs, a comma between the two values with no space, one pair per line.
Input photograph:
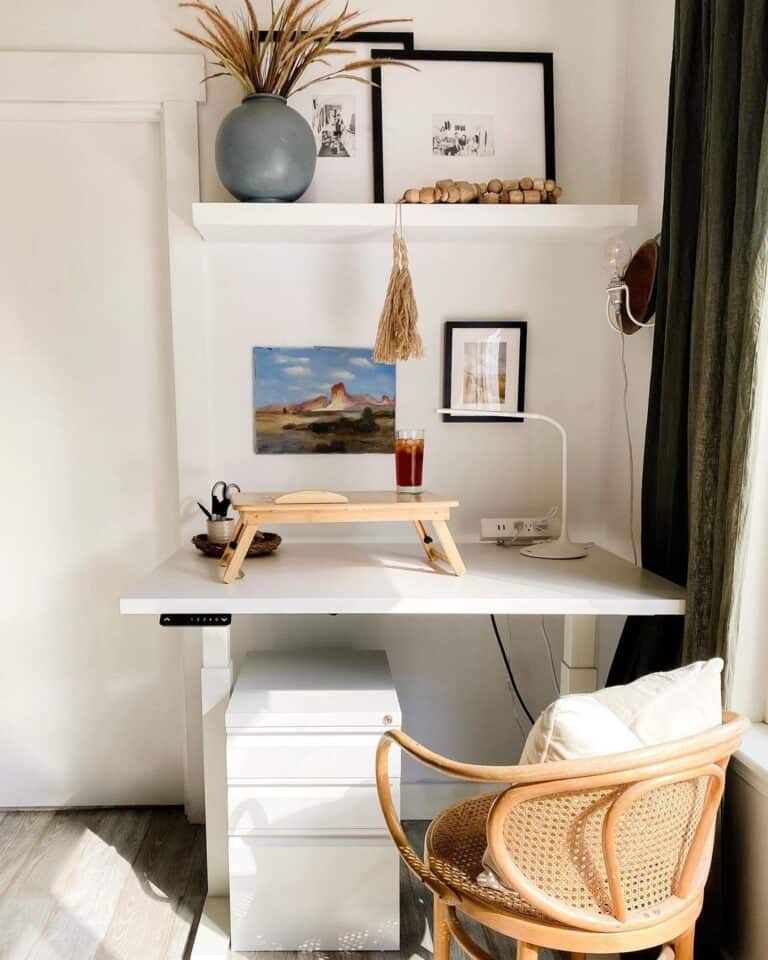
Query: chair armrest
[463,771]
[476,772]
[392,818]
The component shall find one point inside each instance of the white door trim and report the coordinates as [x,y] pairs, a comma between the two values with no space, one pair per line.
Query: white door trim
[42,111]
[63,77]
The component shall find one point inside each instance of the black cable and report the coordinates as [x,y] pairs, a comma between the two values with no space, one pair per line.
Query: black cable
[509,670]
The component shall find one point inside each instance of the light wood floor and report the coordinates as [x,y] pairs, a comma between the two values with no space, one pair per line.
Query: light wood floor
[128,884]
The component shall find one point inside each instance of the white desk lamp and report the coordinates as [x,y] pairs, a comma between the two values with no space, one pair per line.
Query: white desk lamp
[562,548]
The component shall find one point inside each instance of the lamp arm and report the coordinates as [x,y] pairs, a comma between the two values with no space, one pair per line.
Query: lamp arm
[523,415]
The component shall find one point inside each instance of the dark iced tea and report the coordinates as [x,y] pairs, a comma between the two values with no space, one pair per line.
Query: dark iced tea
[409,460]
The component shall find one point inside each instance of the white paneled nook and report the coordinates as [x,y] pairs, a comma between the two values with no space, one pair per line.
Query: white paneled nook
[275,794]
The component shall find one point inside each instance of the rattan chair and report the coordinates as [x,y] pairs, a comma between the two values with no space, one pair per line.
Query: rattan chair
[602,855]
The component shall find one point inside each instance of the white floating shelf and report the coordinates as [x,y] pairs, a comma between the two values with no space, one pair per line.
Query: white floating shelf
[454,223]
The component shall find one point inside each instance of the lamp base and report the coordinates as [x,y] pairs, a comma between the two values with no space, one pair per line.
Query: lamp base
[554,550]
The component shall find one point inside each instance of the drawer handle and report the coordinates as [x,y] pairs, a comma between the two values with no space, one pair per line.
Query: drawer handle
[388,719]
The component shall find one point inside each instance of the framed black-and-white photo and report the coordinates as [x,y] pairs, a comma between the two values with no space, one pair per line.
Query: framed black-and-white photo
[340,113]
[463,116]
[484,368]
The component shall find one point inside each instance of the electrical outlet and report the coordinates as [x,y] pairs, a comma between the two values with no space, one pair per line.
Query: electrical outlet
[498,529]
[516,528]
[530,528]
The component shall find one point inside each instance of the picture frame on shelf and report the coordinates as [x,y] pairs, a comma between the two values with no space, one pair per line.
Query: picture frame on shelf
[484,367]
[340,113]
[465,115]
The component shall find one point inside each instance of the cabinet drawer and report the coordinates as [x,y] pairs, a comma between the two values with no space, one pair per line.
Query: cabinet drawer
[289,809]
[323,894]
[305,756]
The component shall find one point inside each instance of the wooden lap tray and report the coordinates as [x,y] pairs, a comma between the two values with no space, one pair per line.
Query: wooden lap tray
[324,506]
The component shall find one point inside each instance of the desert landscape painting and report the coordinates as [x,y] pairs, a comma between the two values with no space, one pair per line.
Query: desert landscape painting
[322,400]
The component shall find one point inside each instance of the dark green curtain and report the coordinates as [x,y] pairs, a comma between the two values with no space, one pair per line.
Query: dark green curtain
[712,275]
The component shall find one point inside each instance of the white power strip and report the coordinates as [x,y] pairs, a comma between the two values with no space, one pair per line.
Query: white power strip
[500,529]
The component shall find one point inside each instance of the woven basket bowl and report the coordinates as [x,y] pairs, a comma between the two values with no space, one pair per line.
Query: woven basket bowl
[258,548]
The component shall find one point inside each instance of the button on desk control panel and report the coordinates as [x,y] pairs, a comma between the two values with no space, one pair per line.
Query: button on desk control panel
[195,619]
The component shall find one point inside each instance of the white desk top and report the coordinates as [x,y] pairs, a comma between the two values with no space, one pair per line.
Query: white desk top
[339,577]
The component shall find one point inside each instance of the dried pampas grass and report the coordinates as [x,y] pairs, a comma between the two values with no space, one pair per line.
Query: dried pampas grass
[274,60]
[397,337]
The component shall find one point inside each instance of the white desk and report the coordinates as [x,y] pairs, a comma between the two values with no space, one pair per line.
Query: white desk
[380,579]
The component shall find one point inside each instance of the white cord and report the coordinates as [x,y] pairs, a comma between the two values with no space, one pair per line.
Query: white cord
[630,450]
[548,642]
[613,309]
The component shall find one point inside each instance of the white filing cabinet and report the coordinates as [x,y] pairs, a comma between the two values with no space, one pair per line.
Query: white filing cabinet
[311,865]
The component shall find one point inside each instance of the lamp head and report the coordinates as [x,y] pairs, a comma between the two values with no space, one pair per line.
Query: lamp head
[631,292]
[619,253]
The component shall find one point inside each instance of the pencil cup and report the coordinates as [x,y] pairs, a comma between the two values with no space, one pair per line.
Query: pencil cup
[220,529]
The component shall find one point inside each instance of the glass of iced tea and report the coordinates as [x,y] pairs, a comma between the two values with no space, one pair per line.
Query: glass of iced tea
[409,460]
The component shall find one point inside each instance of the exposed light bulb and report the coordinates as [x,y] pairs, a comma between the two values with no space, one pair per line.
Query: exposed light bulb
[619,254]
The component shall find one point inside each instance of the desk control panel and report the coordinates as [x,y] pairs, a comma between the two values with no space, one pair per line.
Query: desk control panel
[195,619]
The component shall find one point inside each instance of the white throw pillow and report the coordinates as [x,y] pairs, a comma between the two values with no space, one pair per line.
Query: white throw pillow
[654,709]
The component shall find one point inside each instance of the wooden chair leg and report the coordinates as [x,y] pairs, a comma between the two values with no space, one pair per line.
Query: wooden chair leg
[684,945]
[441,935]
[526,951]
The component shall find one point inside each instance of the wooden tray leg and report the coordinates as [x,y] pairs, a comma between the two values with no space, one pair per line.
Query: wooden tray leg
[236,561]
[229,548]
[432,553]
[453,557]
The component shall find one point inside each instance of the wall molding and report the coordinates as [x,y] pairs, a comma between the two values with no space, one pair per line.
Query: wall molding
[53,76]
[750,762]
[13,111]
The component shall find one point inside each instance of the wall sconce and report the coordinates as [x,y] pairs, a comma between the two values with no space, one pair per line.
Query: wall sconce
[630,298]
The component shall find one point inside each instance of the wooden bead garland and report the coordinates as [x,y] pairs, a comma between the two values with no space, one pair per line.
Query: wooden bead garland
[526,190]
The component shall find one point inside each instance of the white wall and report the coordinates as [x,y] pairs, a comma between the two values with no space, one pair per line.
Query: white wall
[748,663]
[290,296]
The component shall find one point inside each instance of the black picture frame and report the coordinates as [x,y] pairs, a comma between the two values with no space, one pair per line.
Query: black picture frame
[369,36]
[452,325]
[374,37]
[502,56]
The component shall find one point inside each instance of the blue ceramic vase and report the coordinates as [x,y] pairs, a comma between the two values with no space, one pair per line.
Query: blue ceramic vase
[265,151]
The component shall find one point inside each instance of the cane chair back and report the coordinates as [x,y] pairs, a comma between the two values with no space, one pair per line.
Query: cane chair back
[606,844]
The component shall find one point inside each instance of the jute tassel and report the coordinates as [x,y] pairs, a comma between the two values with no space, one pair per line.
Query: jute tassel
[397,337]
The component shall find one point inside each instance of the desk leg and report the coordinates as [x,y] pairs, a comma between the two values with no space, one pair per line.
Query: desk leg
[212,939]
[578,669]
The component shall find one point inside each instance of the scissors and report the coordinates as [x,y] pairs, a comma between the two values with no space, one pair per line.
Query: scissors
[221,497]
